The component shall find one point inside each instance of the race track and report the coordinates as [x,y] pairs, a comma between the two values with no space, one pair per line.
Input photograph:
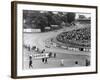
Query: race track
[39,40]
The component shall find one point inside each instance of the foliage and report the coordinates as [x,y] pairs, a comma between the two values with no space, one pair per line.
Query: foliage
[70,17]
[42,19]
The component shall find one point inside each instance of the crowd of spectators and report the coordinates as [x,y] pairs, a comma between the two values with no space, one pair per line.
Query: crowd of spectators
[80,36]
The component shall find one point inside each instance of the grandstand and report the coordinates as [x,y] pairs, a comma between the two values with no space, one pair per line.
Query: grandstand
[79,38]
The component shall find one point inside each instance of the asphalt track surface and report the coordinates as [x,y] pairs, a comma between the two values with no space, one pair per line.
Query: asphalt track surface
[39,40]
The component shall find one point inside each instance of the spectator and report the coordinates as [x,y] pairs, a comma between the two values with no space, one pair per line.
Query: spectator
[80,37]
[30,61]
[54,55]
[62,62]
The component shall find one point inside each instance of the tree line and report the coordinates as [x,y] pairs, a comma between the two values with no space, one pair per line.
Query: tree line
[38,19]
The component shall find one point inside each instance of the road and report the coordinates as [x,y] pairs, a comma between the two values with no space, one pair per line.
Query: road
[38,40]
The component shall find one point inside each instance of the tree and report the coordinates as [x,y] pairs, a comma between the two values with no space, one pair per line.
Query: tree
[64,18]
[70,17]
[29,16]
[50,20]
[56,19]
[41,22]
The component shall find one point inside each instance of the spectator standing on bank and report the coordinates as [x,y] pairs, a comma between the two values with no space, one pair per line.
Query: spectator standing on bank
[30,61]
[54,55]
[46,60]
[87,62]
[28,48]
[62,62]
[43,58]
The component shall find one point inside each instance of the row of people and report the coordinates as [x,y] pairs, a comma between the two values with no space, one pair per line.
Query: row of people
[50,54]
[45,60]
[29,48]
[80,35]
